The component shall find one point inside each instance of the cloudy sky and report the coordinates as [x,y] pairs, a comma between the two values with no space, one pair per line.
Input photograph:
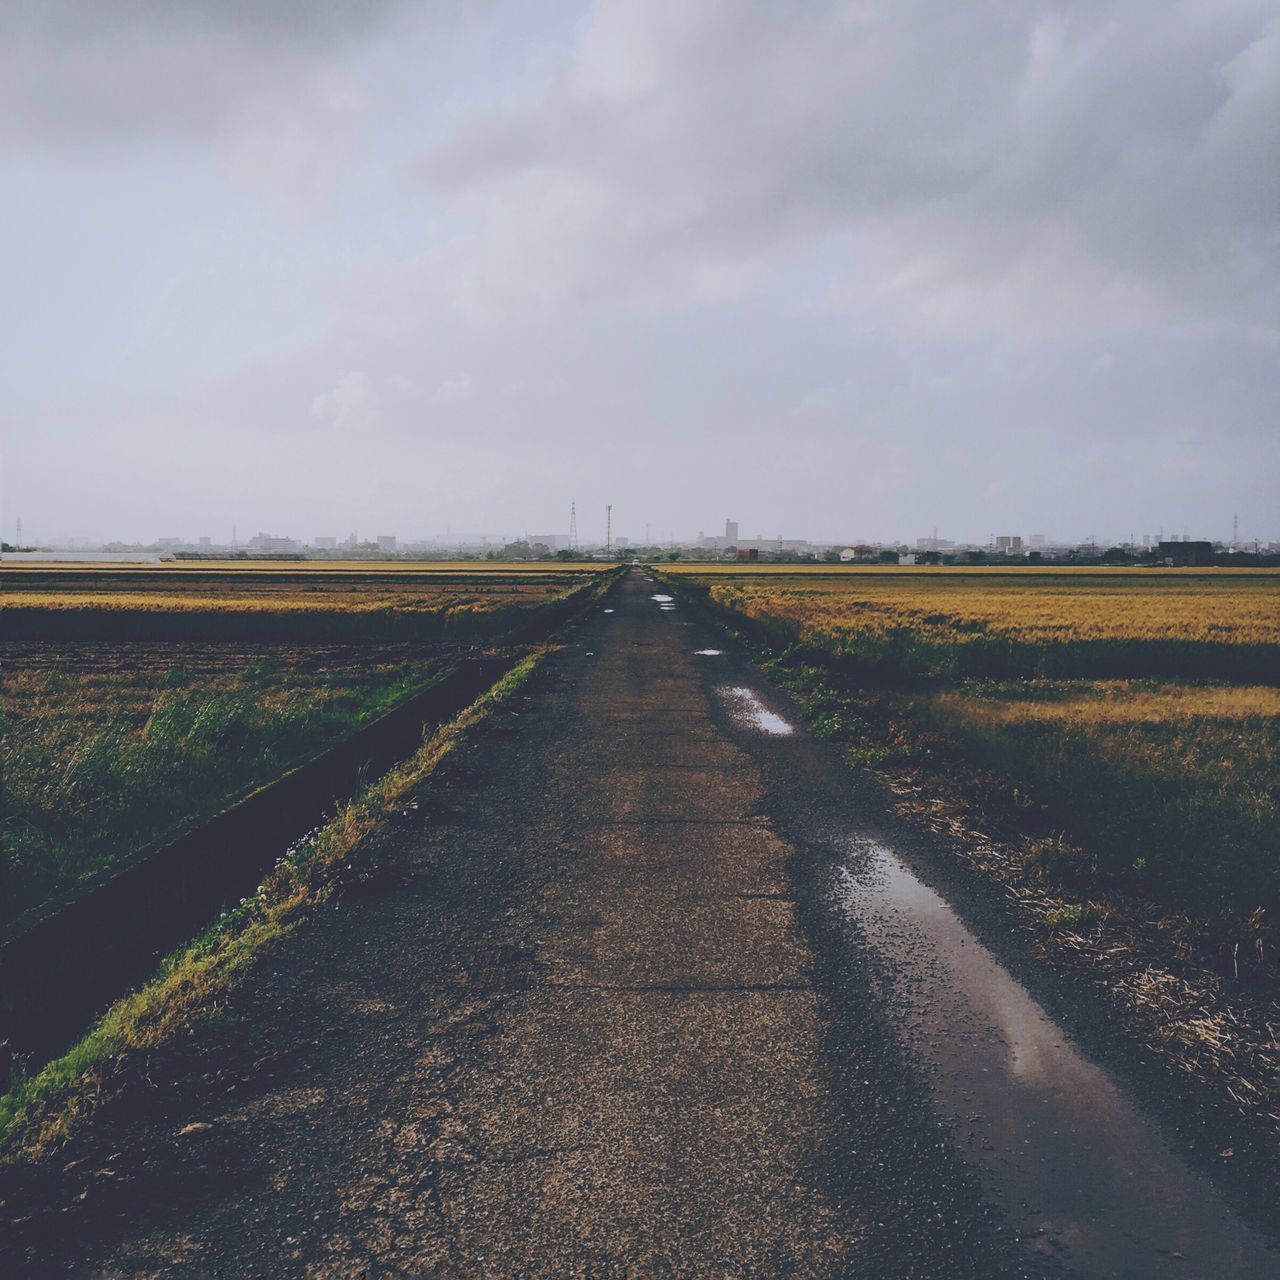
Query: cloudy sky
[838,269]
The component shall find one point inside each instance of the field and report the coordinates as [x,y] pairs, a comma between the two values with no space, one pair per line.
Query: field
[145,700]
[293,602]
[1102,623]
[1139,710]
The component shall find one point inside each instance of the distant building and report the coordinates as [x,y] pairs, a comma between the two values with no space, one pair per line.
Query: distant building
[860,553]
[906,559]
[325,544]
[731,532]
[552,541]
[1185,553]
[386,542]
[748,553]
[206,543]
[272,542]
[1038,540]
[1009,544]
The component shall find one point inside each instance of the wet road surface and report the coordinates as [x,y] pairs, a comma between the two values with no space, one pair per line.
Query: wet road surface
[649,995]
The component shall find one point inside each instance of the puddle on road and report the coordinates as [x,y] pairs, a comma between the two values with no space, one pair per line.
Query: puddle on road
[662,599]
[1080,1172]
[746,707]
[607,611]
[708,653]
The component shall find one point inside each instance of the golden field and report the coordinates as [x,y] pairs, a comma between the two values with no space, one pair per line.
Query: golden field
[279,602]
[1139,709]
[1017,622]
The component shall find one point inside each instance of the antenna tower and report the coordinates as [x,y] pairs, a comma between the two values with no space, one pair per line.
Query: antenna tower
[1235,530]
[573,525]
[608,529]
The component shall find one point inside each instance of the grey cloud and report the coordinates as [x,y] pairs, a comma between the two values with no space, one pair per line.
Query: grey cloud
[92,73]
[1129,149]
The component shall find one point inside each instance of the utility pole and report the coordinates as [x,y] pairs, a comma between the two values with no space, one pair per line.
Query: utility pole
[608,529]
[1235,530]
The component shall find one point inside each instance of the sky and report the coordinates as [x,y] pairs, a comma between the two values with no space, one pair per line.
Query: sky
[844,270]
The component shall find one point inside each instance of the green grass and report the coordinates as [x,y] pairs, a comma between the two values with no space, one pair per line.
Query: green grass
[101,763]
[192,985]
[1172,787]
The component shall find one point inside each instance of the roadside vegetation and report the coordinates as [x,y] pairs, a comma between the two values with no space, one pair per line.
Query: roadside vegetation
[110,752]
[140,701]
[1138,711]
[192,985]
[1103,748]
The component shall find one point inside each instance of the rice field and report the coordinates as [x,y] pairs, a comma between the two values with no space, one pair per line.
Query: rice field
[1139,709]
[139,702]
[949,623]
[280,603]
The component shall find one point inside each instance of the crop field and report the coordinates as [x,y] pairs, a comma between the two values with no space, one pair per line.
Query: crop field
[302,602]
[117,736]
[1018,623]
[1141,709]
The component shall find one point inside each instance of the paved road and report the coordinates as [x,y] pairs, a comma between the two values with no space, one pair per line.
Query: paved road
[640,996]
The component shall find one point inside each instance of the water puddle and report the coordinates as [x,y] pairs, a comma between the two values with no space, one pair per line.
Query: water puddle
[607,611]
[661,599]
[745,706]
[1080,1172]
[708,653]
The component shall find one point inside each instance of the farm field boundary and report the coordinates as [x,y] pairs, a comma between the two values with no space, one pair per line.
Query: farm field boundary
[190,986]
[65,959]
[1154,888]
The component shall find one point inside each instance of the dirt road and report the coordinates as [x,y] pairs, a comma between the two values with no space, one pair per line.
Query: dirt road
[647,991]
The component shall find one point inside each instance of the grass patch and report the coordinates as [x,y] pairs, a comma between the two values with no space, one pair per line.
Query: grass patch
[193,984]
[110,753]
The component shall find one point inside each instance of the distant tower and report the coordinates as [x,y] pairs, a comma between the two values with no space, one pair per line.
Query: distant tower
[18,535]
[608,529]
[573,525]
[233,535]
[1235,530]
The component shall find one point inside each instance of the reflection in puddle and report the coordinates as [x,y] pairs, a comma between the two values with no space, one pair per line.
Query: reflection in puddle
[1076,1166]
[746,706]
[608,611]
[661,599]
[708,653]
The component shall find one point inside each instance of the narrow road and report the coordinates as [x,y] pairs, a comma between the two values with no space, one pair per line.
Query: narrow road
[639,993]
